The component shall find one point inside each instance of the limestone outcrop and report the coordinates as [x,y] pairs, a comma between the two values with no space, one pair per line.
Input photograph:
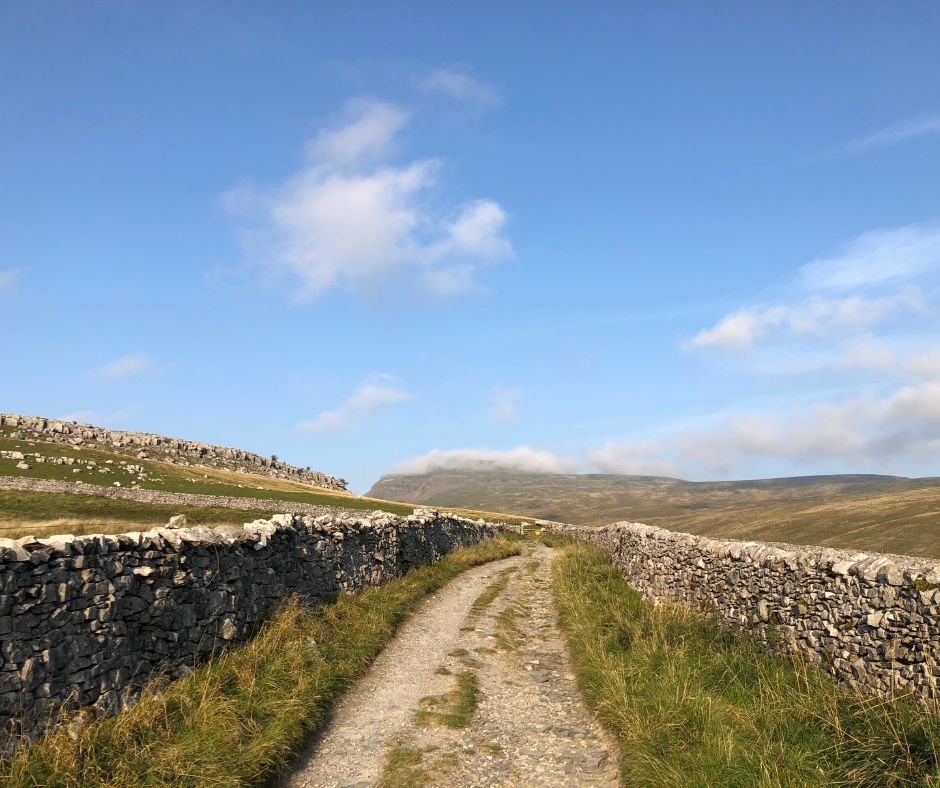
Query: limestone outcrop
[160,447]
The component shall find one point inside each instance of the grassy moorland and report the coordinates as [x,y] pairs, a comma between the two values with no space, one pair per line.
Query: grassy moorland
[237,719]
[865,512]
[42,513]
[45,514]
[691,704]
[170,477]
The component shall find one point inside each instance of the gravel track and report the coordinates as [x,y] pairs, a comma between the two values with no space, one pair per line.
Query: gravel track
[530,728]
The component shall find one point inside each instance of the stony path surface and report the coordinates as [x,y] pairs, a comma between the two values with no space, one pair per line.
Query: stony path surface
[530,726]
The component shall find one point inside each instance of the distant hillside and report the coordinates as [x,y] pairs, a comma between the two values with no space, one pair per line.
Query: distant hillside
[872,512]
[147,445]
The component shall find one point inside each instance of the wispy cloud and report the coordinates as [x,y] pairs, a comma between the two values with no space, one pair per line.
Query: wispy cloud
[461,87]
[351,218]
[871,352]
[504,404]
[865,431]
[830,326]
[367,398]
[124,367]
[876,257]
[522,458]
[817,316]
[826,307]
[366,135]
[625,457]
[8,277]
[894,134]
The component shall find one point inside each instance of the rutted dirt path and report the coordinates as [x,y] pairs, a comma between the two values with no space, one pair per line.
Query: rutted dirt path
[529,727]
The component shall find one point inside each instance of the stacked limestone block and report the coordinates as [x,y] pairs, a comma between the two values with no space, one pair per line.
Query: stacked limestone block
[161,447]
[85,620]
[873,620]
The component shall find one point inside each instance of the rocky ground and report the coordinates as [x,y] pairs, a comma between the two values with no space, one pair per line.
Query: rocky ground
[528,725]
[148,445]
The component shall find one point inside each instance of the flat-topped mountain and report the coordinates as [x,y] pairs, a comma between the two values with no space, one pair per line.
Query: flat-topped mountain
[868,511]
[161,447]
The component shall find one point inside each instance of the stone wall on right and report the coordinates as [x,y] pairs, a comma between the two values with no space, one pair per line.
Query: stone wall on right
[872,619]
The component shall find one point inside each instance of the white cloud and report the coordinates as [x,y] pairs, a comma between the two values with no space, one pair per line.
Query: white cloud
[816,317]
[477,231]
[870,352]
[625,457]
[366,136]
[877,256]
[8,277]
[350,229]
[469,91]
[124,367]
[866,431]
[504,406]
[895,134]
[349,219]
[872,259]
[367,398]
[522,458]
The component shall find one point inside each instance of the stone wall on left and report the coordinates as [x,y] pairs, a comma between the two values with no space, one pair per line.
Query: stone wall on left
[86,620]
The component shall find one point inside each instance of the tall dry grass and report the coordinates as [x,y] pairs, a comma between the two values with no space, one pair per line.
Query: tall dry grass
[237,719]
[691,703]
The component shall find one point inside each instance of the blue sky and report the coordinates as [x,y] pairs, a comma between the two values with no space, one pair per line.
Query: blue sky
[684,238]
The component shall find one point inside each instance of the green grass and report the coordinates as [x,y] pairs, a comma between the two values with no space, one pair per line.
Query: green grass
[43,514]
[485,599]
[458,705]
[559,539]
[237,719]
[509,635]
[174,478]
[691,703]
[48,513]
[403,768]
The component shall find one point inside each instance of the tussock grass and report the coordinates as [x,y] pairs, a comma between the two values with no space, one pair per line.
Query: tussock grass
[509,635]
[403,768]
[493,590]
[559,539]
[458,705]
[692,704]
[236,719]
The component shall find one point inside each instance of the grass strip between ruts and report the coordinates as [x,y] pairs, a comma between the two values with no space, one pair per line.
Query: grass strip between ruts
[691,703]
[238,718]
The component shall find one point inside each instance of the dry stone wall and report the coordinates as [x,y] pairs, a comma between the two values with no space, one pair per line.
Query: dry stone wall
[266,505]
[85,620]
[873,620]
[160,447]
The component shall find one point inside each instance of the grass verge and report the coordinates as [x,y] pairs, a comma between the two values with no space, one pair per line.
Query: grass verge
[556,539]
[691,703]
[237,719]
